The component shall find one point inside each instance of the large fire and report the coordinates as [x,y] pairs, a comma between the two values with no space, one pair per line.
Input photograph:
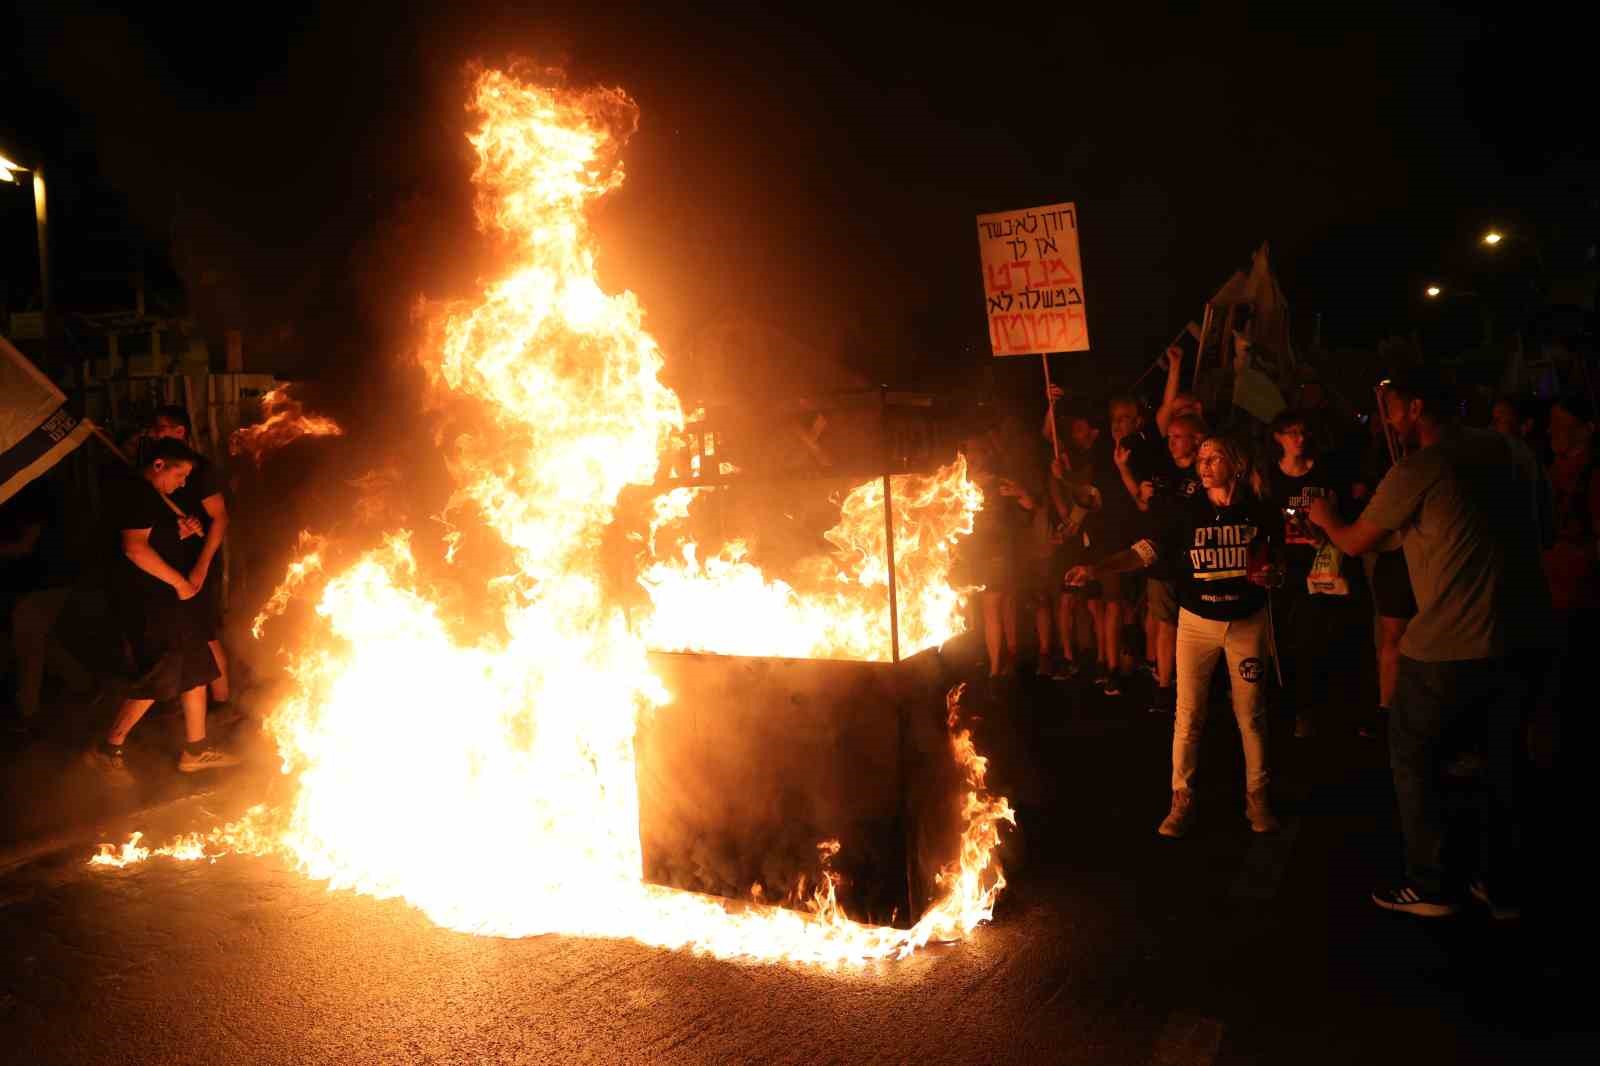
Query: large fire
[490,780]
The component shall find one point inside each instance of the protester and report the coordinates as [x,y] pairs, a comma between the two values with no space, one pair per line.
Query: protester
[1075,499]
[1174,401]
[201,498]
[1174,485]
[1318,607]
[1457,503]
[1572,561]
[1116,522]
[1218,544]
[1521,417]
[994,549]
[164,646]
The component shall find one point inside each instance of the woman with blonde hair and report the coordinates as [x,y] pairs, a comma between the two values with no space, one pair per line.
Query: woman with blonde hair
[1221,546]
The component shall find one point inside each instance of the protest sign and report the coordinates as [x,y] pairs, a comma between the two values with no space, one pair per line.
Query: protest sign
[1033,280]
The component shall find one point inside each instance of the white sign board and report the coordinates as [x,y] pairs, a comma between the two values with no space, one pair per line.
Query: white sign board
[1033,280]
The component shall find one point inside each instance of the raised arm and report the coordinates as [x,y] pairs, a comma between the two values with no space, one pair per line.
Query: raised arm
[1170,394]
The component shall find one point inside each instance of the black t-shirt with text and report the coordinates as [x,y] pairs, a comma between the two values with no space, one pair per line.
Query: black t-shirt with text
[1301,538]
[1208,550]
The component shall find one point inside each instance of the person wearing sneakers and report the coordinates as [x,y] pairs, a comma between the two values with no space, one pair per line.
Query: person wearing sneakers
[1219,545]
[1462,504]
[164,645]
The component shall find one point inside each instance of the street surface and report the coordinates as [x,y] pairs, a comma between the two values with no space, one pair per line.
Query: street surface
[1112,945]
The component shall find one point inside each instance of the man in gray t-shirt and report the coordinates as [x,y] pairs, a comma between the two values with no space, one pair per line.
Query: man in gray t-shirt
[1462,506]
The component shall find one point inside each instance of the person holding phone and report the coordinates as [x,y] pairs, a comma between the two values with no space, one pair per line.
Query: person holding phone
[1222,547]
[1315,615]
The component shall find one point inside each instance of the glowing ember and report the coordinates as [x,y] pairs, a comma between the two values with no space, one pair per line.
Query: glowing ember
[489,780]
[283,420]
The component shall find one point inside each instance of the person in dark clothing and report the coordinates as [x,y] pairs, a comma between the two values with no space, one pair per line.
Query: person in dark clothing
[1463,503]
[1114,474]
[1318,607]
[164,643]
[1219,545]
[201,498]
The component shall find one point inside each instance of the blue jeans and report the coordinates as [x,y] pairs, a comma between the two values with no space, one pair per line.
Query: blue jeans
[1432,701]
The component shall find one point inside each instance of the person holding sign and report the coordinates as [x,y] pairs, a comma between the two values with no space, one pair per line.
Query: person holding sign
[1221,544]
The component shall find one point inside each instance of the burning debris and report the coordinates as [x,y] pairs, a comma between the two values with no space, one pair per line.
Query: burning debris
[516,811]
[283,419]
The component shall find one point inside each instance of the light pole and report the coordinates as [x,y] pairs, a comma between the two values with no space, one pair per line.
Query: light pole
[41,222]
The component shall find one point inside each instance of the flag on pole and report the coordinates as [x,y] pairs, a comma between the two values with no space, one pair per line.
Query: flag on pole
[36,429]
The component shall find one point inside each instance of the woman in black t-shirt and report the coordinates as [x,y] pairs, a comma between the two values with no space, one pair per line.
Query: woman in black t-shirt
[1219,546]
[1316,616]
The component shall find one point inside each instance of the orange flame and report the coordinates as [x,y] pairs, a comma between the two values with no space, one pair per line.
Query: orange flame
[489,780]
[283,420]
[843,611]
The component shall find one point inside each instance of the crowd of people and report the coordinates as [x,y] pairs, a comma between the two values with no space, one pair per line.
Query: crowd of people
[1465,557]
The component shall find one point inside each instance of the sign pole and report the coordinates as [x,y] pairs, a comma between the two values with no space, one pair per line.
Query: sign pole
[1050,406]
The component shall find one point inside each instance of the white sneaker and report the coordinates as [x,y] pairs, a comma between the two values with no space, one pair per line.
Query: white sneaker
[209,759]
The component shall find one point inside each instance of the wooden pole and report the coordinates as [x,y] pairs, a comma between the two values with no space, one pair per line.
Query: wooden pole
[1050,406]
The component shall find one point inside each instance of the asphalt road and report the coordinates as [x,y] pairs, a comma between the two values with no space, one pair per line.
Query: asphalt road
[1112,946]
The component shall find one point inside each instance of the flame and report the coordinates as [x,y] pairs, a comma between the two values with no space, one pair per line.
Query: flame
[843,610]
[307,563]
[283,420]
[488,777]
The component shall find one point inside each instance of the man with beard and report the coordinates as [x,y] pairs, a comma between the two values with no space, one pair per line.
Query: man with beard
[1472,551]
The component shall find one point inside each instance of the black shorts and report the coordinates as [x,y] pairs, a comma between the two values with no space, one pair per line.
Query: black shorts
[165,650]
[1391,586]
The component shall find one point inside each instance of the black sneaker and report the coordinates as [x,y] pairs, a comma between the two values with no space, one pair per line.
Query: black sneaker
[1113,685]
[1101,676]
[109,763]
[1500,910]
[1165,702]
[1409,899]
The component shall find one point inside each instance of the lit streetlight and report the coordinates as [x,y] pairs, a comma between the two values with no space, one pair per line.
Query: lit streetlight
[1493,237]
[1433,292]
[8,169]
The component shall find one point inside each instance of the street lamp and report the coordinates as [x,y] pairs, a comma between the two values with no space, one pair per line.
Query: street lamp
[1493,237]
[1433,292]
[41,222]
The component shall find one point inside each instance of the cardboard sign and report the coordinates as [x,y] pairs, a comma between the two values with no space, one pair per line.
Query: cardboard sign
[1033,280]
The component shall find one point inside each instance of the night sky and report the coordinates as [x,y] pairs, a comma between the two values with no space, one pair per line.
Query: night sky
[820,176]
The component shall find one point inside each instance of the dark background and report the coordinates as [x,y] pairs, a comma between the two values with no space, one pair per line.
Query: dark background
[302,175]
